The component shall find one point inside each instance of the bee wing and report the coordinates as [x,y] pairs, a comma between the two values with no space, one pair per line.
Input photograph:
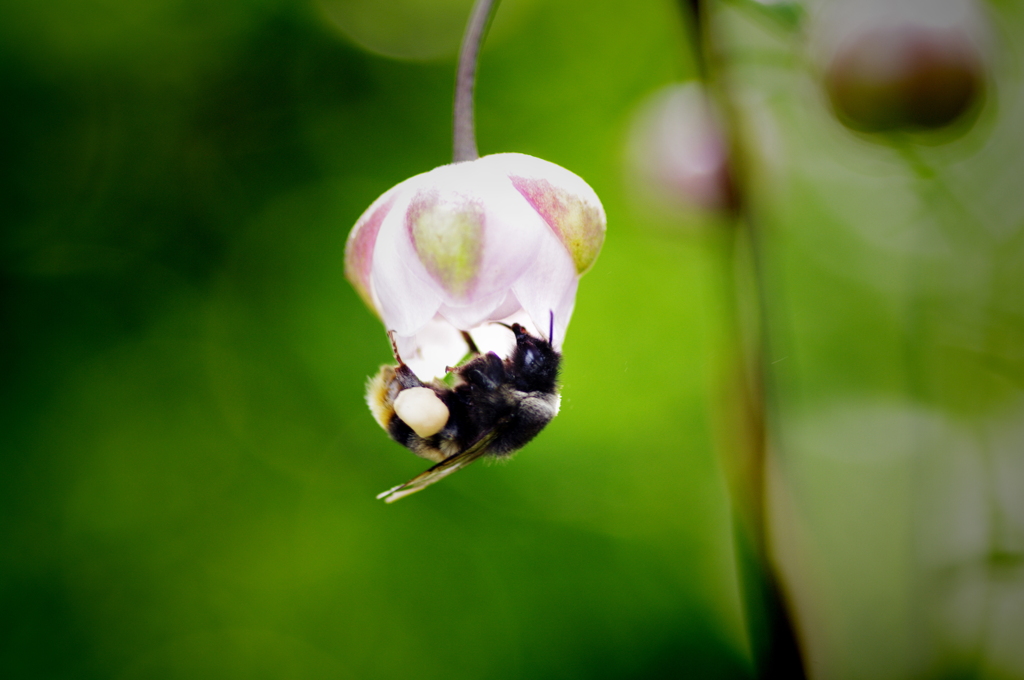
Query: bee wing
[439,471]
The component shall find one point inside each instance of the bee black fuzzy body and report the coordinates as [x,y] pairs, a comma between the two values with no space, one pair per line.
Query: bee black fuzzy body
[495,406]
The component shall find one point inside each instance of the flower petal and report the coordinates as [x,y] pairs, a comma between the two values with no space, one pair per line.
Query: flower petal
[475,234]
[432,348]
[549,287]
[566,202]
[503,237]
[361,242]
[466,317]
[406,295]
[678,151]
[447,232]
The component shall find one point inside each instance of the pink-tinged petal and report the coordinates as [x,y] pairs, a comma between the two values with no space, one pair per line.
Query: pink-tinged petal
[567,203]
[549,287]
[406,295]
[678,152]
[513,236]
[466,317]
[502,238]
[361,242]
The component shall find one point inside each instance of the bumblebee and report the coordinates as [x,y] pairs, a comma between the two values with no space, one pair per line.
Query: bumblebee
[493,408]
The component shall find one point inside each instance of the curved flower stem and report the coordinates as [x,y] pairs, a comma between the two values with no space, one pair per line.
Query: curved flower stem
[464,131]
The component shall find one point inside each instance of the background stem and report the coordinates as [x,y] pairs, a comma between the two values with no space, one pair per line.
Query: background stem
[774,643]
[463,128]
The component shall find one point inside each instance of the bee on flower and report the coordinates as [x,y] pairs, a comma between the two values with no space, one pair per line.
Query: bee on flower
[480,257]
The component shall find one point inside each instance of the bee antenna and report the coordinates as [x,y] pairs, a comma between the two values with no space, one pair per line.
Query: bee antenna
[551,327]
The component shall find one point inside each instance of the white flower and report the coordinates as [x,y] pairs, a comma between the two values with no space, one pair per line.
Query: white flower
[678,151]
[501,238]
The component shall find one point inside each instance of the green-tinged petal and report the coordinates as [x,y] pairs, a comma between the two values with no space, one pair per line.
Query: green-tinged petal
[580,224]
[567,203]
[448,237]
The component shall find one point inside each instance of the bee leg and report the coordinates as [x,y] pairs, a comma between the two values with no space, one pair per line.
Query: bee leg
[486,372]
[394,348]
[473,349]
[404,378]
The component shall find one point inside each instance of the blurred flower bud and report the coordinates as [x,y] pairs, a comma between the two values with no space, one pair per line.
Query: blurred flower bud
[901,64]
[501,238]
[678,152]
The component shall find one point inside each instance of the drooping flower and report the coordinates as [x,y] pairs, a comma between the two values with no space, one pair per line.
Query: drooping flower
[901,64]
[678,152]
[501,238]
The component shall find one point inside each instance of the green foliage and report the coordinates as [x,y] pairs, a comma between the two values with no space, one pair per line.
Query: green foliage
[188,466]
[189,469]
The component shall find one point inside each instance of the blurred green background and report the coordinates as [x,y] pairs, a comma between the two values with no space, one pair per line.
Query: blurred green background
[188,466]
[893,274]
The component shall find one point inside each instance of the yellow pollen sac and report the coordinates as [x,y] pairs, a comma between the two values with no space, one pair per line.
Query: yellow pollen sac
[422,410]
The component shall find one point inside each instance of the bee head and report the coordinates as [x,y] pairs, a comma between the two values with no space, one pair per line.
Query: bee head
[534,361]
